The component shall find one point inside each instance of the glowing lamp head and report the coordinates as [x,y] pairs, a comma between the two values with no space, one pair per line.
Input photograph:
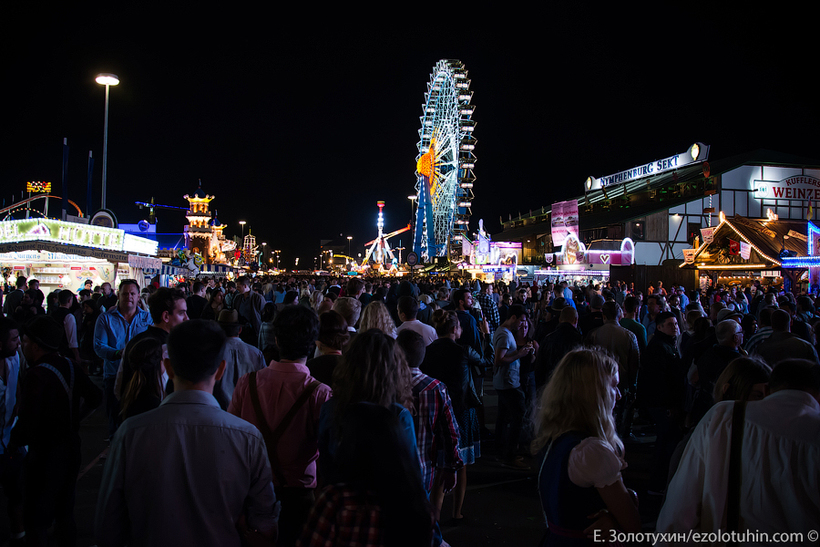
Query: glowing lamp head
[107,79]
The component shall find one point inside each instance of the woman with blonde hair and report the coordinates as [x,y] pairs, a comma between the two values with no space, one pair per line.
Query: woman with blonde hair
[579,481]
[376,316]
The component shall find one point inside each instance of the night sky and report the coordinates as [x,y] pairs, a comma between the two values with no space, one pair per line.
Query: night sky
[298,123]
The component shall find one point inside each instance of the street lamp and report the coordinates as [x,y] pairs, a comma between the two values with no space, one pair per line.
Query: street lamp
[107,80]
[412,199]
[349,239]
[262,257]
[242,239]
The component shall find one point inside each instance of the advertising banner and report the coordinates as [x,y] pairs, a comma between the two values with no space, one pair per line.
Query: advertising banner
[707,234]
[564,221]
[745,250]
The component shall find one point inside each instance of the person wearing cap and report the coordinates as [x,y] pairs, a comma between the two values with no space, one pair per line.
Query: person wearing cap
[56,394]
[240,357]
[186,472]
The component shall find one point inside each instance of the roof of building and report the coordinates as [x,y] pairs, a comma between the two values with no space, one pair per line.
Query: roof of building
[639,198]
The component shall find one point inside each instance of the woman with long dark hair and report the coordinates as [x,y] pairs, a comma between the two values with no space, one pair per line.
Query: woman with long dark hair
[368,457]
[379,499]
[216,303]
[373,370]
[142,390]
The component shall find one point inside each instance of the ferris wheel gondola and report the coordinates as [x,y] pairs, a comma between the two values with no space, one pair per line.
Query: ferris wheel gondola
[444,165]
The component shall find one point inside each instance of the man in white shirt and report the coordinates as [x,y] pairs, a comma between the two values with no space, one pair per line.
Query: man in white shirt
[408,308]
[240,358]
[780,488]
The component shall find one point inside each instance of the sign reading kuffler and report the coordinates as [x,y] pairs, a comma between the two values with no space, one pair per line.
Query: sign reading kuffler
[801,187]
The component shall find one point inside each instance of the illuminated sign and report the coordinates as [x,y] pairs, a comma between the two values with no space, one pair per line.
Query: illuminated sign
[69,233]
[38,186]
[564,220]
[800,187]
[501,252]
[697,153]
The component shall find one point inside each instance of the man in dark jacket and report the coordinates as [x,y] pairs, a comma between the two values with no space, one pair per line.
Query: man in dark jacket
[557,344]
[55,396]
[711,364]
[660,390]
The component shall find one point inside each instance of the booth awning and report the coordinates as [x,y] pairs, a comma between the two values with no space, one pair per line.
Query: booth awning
[747,244]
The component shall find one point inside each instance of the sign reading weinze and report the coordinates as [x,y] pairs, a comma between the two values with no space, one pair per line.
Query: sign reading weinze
[800,187]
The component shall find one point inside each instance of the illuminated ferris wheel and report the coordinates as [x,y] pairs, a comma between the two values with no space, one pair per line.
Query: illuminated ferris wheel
[444,166]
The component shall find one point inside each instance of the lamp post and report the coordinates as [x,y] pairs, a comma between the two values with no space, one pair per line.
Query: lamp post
[262,256]
[242,239]
[349,239]
[107,80]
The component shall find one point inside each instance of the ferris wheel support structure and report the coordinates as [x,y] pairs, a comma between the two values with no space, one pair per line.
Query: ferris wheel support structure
[444,165]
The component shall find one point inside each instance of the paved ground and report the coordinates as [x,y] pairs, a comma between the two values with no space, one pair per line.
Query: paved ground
[501,506]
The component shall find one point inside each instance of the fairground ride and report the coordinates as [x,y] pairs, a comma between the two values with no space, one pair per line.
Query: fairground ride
[444,166]
[380,250]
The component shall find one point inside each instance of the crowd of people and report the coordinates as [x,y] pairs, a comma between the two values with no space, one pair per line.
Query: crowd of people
[327,411]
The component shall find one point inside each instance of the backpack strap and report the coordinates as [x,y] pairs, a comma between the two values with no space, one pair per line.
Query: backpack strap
[272,437]
[69,388]
[735,466]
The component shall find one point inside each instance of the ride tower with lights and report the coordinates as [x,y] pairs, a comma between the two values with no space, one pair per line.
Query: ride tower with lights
[379,248]
[444,166]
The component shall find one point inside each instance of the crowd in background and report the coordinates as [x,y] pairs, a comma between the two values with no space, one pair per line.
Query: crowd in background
[347,380]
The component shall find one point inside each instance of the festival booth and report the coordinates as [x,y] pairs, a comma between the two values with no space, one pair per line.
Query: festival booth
[739,250]
[63,255]
[491,261]
[577,262]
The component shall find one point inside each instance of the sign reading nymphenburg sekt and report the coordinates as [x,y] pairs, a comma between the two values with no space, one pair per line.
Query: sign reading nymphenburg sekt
[697,153]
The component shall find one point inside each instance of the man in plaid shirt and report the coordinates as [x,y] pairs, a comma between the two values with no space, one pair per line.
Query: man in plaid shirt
[436,426]
[488,306]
